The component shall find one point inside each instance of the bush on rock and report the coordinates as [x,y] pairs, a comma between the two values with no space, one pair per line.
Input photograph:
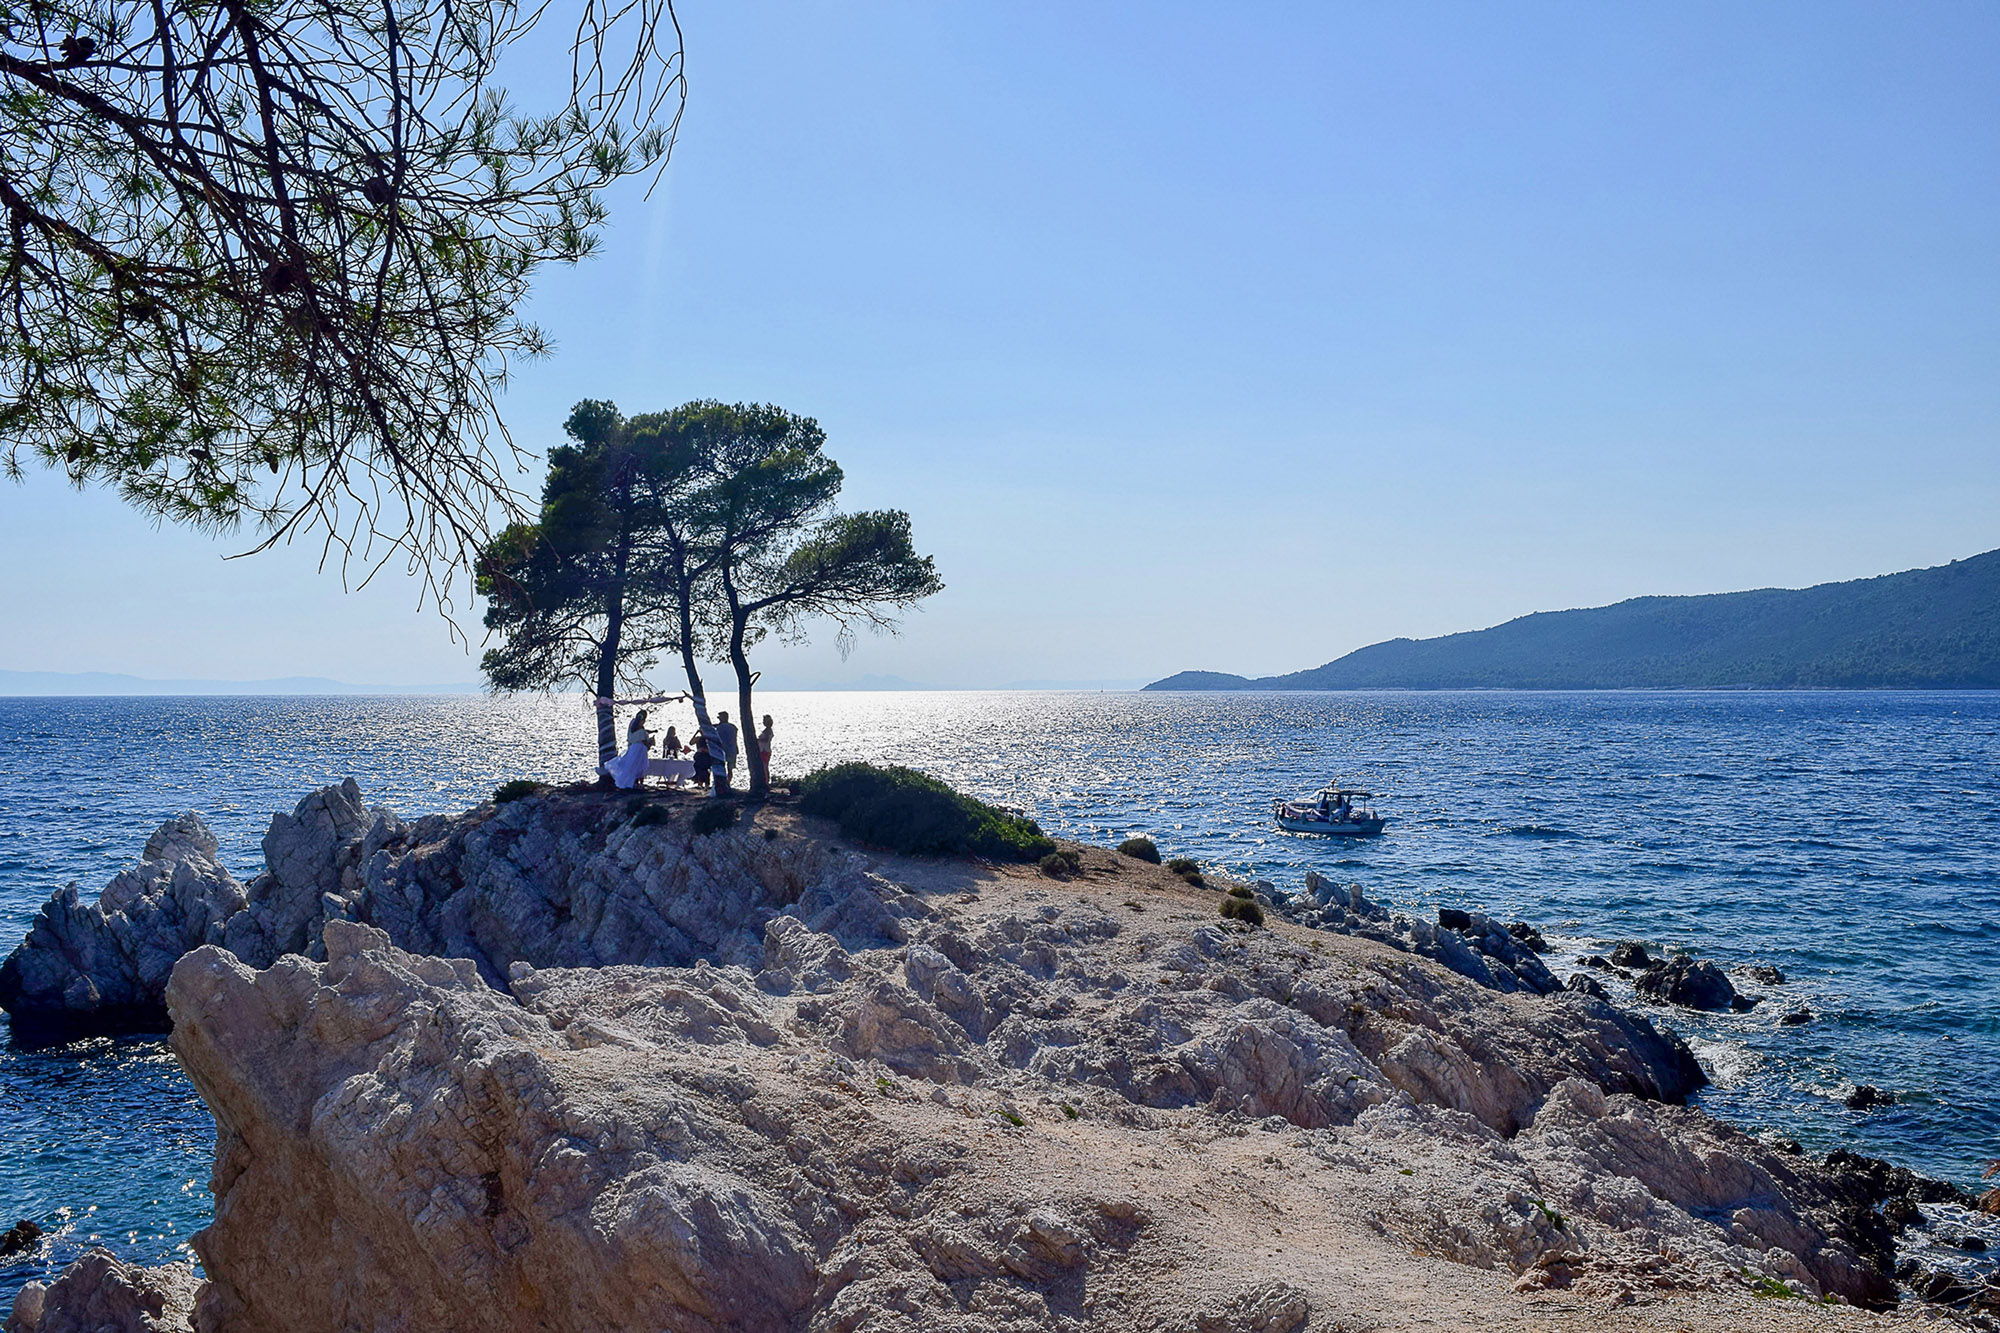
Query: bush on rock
[1062,864]
[713,817]
[1244,909]
[515,790]
[907,811]
[1140,849]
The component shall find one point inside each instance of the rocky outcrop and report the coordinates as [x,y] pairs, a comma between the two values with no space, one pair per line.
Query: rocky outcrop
[1681,980]
[567,1064]
[563,883]
[312,859]
[926,1097]
[104,965]
[1686,982]
[100,1293]
[1472,944]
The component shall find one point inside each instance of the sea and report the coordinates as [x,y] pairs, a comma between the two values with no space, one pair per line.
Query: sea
[1850,839]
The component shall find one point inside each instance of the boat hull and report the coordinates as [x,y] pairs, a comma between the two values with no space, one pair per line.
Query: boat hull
[1353,828]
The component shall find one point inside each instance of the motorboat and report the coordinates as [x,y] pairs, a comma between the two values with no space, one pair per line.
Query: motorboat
[1332,810]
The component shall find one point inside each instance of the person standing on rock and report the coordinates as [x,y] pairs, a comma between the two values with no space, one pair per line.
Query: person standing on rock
[718,756]
[764,747]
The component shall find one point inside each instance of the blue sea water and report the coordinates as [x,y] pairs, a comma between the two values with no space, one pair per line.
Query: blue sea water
[1851,839]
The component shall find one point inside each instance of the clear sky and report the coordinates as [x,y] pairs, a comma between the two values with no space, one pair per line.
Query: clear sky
[1236,337]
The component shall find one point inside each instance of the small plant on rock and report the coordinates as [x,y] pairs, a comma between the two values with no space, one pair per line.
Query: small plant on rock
[1188,869]
[515,790]
[713,817]
[1140,849]
[1245,910]
[649,815]
[1062,864]
[1767,1288]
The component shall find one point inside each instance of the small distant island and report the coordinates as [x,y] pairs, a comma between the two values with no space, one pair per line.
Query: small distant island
[1935,628]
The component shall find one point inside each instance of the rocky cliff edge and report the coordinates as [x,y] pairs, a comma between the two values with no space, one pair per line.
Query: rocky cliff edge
[566,1064]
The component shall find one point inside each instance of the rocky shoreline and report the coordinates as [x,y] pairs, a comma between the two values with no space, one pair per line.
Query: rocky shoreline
[567,1062]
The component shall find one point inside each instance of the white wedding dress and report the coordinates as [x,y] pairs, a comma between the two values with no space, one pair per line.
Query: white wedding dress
[628,768]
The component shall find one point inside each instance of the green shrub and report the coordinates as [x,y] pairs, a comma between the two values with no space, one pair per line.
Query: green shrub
[1242,891]
[1140,849]
[713,817]
[515,790]
[1245,910]
[907,811]
[649,814]
[1062,864]
[1188,869]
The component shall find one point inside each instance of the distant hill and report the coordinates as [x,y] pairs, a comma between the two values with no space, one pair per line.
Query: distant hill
[1922,629]
[105,683]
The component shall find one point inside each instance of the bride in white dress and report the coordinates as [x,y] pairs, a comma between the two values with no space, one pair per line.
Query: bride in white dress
[628,768]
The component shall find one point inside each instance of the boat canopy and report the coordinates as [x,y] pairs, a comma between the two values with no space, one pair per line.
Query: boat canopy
[1338,792]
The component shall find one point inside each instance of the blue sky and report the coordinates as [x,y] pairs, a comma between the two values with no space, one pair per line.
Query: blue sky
[1237,337]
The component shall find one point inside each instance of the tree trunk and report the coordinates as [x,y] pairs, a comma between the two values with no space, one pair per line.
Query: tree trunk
[607,725]
[760,781]
[739,623]
[607,655]
[684,594]
[607,686]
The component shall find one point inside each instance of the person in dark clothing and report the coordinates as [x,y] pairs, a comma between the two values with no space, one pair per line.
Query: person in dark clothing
[725,731]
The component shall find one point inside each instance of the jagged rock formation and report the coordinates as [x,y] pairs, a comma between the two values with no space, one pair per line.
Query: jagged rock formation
[881,1095]
[1471,944]
[105,965]
[101,1293]
[1689,983]
[550,883]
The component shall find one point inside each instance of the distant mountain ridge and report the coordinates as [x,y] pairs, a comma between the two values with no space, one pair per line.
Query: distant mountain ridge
[49,684]
[1935,628]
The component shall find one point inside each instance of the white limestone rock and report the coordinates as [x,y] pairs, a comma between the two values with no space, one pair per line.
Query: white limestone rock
[103,966]
[101,1293]
[758,1082]
[540,881]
